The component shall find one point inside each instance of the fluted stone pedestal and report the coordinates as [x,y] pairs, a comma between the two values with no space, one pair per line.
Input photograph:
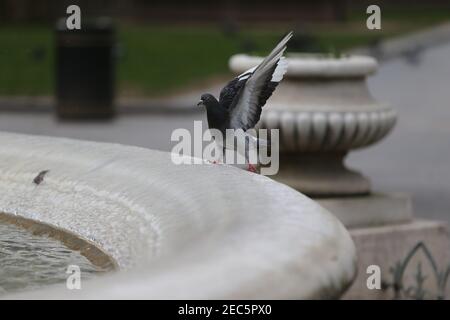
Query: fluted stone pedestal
[323,109]
[321,174]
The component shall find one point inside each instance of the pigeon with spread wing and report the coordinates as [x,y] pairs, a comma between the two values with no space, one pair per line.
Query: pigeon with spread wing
[241,100]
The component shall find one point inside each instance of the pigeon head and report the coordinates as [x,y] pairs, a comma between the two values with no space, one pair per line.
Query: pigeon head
[207,100]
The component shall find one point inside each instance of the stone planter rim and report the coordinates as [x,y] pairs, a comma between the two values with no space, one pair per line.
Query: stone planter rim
[313,65]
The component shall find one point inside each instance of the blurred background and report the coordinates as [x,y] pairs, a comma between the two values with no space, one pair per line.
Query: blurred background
[159,56]
[165,46]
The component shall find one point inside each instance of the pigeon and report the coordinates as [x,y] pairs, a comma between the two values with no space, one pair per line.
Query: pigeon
[241,100]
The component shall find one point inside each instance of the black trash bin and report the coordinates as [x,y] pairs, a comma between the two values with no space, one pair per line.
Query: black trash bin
[85,70]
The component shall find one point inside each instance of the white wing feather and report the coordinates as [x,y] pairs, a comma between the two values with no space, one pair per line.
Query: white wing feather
[248,104]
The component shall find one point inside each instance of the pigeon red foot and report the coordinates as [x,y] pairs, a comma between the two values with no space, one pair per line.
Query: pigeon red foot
[251,168]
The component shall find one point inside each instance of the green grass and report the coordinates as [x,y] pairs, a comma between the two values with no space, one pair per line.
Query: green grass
[414,15]
[20,72]
[154,60]
[158,60]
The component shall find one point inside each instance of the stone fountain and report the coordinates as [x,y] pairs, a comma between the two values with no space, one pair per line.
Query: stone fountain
[172,231]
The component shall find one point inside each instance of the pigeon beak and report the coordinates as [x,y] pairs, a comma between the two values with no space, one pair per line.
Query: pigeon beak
[200,103]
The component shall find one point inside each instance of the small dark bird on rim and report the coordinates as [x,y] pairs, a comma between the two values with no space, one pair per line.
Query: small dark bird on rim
[241,100]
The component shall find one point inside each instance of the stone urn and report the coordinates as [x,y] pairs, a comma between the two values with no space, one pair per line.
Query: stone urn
[323,109]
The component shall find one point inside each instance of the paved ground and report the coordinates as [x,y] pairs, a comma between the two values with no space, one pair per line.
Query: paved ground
[151,130]
[415,158]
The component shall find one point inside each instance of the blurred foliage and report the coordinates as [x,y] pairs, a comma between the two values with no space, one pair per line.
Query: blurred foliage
[26,60]
[414,15]
[157,59]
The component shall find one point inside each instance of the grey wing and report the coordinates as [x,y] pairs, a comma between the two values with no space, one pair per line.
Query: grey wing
[232,89]
[246,107]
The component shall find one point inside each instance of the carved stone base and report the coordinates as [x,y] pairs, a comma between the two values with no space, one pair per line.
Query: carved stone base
[370,210]
[321,175]
[418,247]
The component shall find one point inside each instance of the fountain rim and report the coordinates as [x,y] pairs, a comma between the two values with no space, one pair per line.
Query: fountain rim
[301,251]
[91,251]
